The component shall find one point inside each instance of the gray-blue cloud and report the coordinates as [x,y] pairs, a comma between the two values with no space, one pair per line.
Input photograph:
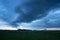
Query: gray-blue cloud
[20,11]
[50,21]
[34,9]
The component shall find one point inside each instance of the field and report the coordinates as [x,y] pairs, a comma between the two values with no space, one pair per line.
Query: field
[29,35]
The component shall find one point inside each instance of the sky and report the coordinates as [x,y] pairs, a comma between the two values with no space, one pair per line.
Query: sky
[29,14]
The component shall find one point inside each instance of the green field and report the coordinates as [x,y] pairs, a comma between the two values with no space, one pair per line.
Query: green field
[29,35]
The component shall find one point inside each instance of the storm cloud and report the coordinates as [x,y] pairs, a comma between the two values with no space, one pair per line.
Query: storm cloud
[33,9]
[29,14]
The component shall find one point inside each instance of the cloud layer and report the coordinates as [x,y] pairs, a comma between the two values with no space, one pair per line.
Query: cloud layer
[34,9]
[36,14]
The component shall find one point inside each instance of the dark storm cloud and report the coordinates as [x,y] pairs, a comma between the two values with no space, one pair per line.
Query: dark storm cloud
[51,21]
[32,11]
[35,9]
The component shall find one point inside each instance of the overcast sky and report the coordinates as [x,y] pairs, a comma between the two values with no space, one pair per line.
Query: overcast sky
[29,16]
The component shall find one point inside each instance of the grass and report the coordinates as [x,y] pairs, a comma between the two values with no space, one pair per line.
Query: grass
[29,35]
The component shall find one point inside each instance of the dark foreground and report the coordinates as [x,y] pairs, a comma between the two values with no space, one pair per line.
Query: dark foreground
[29,35]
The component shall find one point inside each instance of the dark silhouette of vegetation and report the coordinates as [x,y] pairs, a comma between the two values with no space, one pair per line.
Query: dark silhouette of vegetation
[29,35]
